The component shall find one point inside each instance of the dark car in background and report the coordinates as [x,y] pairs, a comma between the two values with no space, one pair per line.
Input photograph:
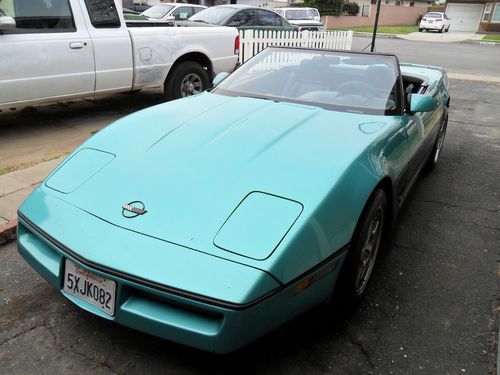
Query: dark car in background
[243,17]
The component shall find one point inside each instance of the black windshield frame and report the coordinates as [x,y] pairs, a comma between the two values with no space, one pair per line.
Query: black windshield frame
[397,111]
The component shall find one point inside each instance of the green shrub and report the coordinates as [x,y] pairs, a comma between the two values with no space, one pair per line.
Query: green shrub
[350,9]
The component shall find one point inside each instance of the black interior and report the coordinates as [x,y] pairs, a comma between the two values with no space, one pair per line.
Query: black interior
[329,82]
[413,84]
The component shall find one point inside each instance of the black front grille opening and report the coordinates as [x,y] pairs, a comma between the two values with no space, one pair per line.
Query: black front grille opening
[178,304]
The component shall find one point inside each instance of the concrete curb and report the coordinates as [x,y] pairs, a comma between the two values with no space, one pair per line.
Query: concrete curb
[379,35]
[482,42]
[8,232]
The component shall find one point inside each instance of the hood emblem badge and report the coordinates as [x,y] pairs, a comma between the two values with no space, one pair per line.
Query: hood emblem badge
[133,209]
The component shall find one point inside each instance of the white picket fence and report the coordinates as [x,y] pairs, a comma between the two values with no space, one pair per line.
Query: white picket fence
[254,41]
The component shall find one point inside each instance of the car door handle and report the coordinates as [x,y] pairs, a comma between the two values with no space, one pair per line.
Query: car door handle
[77,45]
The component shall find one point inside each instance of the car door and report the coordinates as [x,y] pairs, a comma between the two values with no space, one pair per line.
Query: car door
[114,67]
[421,129]
[47,54]
[245,19]
[268,20]
[182,13]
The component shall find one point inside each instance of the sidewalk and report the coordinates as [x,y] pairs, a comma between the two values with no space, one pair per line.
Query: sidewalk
[435,37]
[14,188]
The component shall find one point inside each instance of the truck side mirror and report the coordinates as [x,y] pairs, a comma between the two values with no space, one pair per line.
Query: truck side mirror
[7,22]
[169,20]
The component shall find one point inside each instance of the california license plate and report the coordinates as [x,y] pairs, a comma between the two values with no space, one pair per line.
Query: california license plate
[90,287]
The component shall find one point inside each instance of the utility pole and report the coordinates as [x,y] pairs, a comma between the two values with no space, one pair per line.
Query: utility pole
[375,27]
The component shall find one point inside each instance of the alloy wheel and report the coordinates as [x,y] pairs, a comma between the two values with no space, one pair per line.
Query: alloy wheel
[370,250]
[192,84]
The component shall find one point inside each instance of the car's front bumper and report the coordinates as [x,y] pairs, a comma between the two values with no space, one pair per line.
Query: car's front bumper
[208,325]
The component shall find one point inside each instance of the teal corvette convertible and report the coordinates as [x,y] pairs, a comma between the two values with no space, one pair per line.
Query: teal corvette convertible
[214,219]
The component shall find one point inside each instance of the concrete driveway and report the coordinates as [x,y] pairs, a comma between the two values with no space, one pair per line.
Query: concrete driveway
[434,36]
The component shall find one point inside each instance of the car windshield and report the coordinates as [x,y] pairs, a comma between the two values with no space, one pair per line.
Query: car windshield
[340,81]
[299,14]
[433,15]
[215,15]
[158,11]
[314,12]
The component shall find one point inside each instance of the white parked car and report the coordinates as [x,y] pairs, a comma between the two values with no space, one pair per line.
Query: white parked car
[435,21]
[82,48]
[179,11]
[304,18]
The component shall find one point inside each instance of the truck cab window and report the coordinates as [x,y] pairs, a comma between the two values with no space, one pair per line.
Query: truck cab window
[38,16]
[103,14]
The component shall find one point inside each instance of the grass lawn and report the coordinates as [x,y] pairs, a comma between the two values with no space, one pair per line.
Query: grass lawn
[492,37]
[401,29]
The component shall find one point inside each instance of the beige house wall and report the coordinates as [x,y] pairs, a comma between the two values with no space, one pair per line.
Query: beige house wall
[389,15]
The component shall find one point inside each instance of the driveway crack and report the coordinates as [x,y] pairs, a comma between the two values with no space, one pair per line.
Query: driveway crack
[410,248]
[97,360]
[22,333]
[361,347]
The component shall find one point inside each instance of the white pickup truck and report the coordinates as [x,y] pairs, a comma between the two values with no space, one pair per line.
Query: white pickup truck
[53,50]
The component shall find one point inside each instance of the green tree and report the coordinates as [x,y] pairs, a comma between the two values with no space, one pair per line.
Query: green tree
[326,7]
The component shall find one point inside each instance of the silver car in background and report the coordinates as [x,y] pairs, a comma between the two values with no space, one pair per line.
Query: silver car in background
[304,18]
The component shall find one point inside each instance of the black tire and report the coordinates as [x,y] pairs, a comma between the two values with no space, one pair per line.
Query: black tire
[185,79]
[351,286]
[438,144]
[420,30]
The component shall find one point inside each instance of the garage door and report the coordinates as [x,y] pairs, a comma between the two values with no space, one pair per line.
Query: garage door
[464,17]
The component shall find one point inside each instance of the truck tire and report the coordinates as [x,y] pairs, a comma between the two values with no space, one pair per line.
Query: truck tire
[185,79]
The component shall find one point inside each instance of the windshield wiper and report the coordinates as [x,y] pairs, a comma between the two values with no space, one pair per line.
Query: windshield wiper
[199,21]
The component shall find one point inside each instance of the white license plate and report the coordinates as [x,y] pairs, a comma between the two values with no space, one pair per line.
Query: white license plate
[90,287]
[430,21]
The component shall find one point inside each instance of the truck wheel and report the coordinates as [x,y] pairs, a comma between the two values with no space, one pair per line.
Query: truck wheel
[186,79]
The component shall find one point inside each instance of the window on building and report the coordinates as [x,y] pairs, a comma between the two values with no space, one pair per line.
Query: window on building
[487,12]
[412,3]
[373,2]
[38,16]
[496,13]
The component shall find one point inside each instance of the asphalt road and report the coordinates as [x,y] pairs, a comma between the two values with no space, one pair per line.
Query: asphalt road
[465,58]
[430,309]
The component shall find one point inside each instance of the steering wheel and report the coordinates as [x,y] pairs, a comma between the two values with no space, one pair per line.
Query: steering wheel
[355,87]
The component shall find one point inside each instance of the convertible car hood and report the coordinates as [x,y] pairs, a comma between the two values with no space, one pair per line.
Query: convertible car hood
[190,163]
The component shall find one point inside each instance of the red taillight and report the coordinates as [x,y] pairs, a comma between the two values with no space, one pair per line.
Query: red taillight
[439,19]
[237,45]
